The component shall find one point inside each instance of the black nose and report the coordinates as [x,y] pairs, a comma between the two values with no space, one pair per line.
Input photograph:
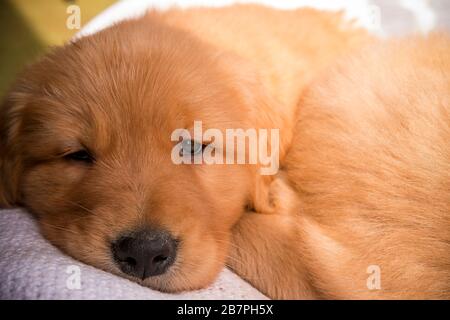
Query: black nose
[145,253]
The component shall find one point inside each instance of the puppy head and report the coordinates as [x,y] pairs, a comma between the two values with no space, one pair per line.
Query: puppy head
[86,145]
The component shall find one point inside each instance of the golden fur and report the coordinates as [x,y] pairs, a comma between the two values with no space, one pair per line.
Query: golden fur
[121,92]
[370,170]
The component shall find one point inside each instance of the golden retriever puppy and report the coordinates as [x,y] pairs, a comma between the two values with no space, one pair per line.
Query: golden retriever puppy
[369,212]
[85,133]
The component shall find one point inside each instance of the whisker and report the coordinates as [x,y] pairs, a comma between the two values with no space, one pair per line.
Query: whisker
[60,228]
[80,206]
[234,245]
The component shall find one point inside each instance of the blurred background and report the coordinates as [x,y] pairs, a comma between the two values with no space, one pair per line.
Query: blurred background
[30,27]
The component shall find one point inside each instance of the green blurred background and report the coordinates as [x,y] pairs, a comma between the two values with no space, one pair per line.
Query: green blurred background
[29,27]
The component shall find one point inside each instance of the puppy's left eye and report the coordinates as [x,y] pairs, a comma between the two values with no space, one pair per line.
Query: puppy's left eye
[191,147]
[80,156]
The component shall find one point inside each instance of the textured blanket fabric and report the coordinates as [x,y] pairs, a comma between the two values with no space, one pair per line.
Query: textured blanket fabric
[31,268]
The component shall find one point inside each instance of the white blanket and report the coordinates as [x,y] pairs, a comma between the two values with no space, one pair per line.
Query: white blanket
[31,268]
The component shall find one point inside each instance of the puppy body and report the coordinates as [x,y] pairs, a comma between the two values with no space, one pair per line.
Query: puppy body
[85,132]
[370,164]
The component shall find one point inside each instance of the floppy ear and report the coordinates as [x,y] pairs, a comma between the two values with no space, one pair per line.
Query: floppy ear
[3,201]
[10,162]
[266,112]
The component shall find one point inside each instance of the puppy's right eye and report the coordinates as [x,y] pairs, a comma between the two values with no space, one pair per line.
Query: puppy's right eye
[80,156]
[191,147]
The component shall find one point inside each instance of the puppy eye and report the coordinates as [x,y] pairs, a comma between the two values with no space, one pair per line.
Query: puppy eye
[191,147]
[80,156]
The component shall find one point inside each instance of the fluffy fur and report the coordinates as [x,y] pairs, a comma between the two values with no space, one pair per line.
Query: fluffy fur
[366,166]
[121,92]
[370,171]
